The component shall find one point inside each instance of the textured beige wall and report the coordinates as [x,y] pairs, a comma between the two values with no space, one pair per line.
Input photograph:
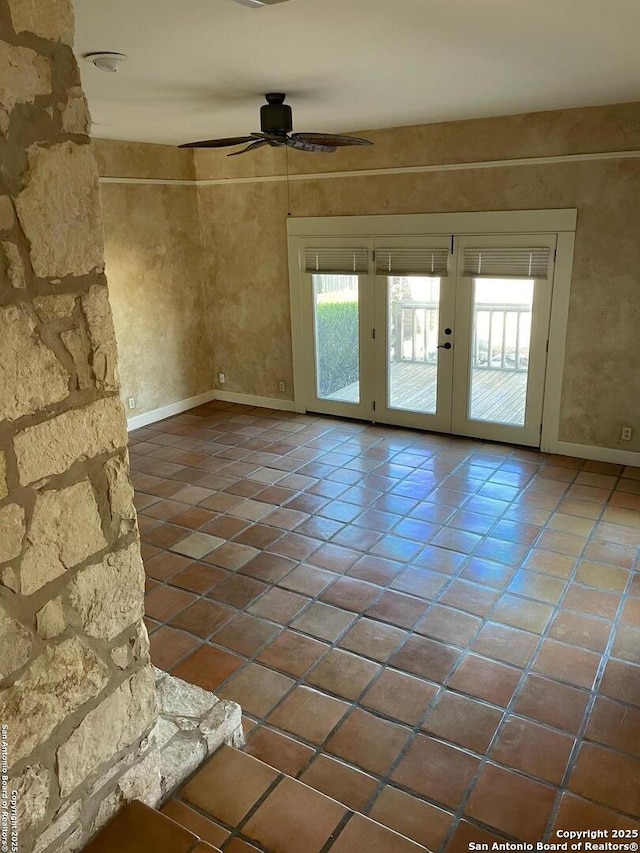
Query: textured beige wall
[154,264]
[243,233]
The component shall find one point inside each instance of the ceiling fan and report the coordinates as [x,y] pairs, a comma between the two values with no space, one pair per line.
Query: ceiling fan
[276,124]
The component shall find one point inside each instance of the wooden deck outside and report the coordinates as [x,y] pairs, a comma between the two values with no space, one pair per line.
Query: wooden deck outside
[497,395]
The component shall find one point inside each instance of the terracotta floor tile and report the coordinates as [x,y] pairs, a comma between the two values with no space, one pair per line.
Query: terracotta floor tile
[615,725]
[279,605]
[277,750]
[537,586]
[203,617]
[580,630]
[631,612]
[368,742]
[595,602]
[165,536]
[399,696]
[256,689]
[411,817]
[601,576]
[164,602]
[308,714]
[470,597]
[487,573]
[225,526]
[350,594]
[426,658]
[463,721]
[423,583]
[208,667]
[228,785]
[311,819]
[450,626]
[237,590]
[194,518]
[245,634]
[609,778]
[626,644]
[373,639]
[534,749]
[293,653]
[567,663]
[268,567]
[437,771]
[576,813]
[549,563]
[511,803]
[397,608]
[199,577]
[205,829]
[345,784]
[168,646]
[522,613]
[610,553]
[343,674]
[307,580]
[440,560]
[621,681]
[323,621]
[165,565]
[362,835]
[467,834]
[552,703]
[506,644]
[486,679]
[137,826]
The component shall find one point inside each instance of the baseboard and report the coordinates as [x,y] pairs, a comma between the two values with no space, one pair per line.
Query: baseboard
[599,454]
[255,400]
[137,421]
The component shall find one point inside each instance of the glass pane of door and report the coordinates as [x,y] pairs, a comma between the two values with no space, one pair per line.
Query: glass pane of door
[336,316]
[412,343]
[501,330]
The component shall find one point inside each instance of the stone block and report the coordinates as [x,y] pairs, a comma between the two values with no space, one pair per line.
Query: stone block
[4,491]
[56,684]
[50,620]
[13,266]
[75,113]
[75,340]
[31,377]
[121,494]
[52,20]
[109,596]
[97,310]
[119,720]
[177,698]
[54,307]
[53,446]
[59,827]
[59,211]
[32,786]
[15,641]
[182,756]
[65,530]
[12,530]
[223,725]
[7,217]
[23,76]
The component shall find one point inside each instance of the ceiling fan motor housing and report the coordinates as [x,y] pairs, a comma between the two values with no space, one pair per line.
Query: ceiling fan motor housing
[276,116]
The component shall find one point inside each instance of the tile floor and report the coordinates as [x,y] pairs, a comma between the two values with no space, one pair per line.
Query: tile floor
[440,633]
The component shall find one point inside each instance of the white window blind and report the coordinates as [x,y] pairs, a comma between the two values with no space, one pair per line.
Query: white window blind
[338,261]
[506,263]
[428,262]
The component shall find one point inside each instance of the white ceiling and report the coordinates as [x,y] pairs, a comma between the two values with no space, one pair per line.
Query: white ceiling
[198,69]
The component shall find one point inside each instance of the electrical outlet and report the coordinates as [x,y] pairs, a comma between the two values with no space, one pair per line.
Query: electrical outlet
[132,402]
[282,386]
[222,378]
[625,433]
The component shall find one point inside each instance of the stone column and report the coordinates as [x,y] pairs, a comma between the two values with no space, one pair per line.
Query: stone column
[77,693]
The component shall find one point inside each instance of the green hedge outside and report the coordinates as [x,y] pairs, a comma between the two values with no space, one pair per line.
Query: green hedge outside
[337,345]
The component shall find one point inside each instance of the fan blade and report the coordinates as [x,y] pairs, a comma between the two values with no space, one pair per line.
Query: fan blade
[302,145]
[257,144]
[330,139]
[218,143]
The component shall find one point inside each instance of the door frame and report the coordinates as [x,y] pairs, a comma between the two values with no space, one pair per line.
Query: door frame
[304,231]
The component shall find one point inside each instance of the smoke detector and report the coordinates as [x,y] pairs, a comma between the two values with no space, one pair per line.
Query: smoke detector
[108,62]
[255,4]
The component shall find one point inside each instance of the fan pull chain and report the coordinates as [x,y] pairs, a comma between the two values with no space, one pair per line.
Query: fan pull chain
[286,157]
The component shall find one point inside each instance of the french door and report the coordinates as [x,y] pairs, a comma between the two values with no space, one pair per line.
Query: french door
[438,332]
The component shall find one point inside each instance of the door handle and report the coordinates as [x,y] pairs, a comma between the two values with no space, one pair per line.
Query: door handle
[448,345]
